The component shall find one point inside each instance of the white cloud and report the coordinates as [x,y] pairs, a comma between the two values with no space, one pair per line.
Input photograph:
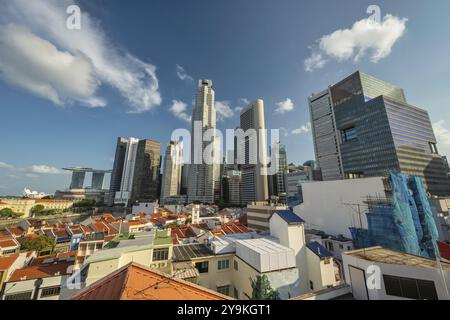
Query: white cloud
[36,65]
[284,106]
[44,169]
[41,55]
[284,131]
[366,37]
[179,109]
[4,165]
[316,61]
[224,110]
[182,75]
[442,133]
[31,175]
[304,129]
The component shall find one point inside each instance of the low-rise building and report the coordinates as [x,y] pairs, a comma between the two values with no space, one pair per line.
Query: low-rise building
[381,274]
[137,282]
[44,281]
[152,249]
[9,246]
[9,264]
[258,214]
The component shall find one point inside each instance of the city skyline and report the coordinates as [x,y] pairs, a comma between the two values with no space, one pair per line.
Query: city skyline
[53,134]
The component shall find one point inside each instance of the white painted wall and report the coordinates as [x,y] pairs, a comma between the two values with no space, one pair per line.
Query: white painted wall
[324,208]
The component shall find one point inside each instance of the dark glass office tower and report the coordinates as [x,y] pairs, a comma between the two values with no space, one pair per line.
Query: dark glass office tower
[378,130]
[116,175]
[146,180]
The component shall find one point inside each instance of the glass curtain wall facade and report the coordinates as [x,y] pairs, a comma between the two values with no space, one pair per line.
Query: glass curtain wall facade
[378,131]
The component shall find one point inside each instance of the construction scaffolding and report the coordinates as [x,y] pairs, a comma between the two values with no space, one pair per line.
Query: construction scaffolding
[401,221]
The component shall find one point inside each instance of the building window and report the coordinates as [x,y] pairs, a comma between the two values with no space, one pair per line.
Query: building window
[355,175]
[311,285]
[433,148]
[236,266]
[410,288]
[224,290]
[161,254]
[341,246]
[330,246]
[236,293]
[19,296]
[50,292]
[11,251]
[202,267]
[223,264]
[349,135]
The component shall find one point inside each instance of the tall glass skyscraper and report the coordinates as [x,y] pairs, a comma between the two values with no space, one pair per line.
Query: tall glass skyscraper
[203,177]
[376,130]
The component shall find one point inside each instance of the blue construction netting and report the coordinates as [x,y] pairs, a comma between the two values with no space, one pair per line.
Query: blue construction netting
[405,224]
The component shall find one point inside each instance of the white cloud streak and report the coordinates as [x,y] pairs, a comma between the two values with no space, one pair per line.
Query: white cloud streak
[45,169]
[304,129]
[4,165]
[182,74]
[41,55]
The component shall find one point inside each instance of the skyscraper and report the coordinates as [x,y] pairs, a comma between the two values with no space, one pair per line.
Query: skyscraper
[363,127]
[278,179]
[135,176]
[116,175]
[203,176]
[171,181]
[254,186]
[146,182]
[123,194]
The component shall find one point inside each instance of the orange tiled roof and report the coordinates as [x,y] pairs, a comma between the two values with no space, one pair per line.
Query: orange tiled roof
[6,243]
[41,271]
[51,200]
[6,262]
[17,231]
[137,223]
[135,282]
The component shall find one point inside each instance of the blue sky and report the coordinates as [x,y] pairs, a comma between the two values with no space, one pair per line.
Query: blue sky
[123,65]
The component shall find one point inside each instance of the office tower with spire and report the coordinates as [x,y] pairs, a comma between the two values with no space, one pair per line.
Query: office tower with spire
[171,179]
[203,175]
[254,182]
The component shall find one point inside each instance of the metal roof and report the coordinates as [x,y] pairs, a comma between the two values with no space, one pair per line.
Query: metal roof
[190,251]
[319,250]
[289,216]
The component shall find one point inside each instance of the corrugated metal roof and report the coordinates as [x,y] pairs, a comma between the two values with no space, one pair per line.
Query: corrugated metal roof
[190,251]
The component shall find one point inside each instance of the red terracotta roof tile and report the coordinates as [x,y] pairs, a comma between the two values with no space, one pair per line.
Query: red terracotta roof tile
[135,282]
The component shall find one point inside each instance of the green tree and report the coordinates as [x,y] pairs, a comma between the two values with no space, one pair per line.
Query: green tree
[9,213]
[38,244]
[262,290]
[36,209]
[85,203]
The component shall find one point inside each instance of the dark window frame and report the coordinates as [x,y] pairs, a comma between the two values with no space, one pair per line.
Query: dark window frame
[410,288]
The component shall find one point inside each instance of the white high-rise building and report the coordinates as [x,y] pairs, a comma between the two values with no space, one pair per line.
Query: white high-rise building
[126,186]
[171,180]
[254,183]
[203,175]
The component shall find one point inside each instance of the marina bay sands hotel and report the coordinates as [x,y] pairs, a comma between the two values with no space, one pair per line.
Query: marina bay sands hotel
[77,190]
[79,175]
